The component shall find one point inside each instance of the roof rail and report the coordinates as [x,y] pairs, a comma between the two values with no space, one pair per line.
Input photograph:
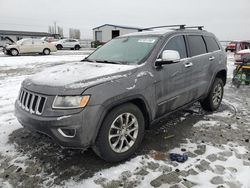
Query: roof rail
[199,27]
[163,26]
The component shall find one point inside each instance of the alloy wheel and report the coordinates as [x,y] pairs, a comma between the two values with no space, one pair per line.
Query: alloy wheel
[217,94]
[123,132]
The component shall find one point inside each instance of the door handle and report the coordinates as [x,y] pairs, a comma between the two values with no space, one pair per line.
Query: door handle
[189,64]
[211,58]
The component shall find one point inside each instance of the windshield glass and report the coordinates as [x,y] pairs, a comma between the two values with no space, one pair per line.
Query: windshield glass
[125,50]
[20,41]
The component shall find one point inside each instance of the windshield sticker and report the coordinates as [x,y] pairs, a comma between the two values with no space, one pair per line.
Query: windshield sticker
[148,40]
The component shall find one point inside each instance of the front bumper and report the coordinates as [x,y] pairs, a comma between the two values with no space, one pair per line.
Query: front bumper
[53,126]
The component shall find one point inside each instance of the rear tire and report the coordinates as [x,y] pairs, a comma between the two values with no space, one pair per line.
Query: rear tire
[46,51]
[213,100]
[121,133]
[14,52]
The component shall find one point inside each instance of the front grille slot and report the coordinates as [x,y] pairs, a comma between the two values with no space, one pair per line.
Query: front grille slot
[31,102]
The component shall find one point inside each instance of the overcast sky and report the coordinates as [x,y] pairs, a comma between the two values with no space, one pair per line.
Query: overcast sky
[228,19]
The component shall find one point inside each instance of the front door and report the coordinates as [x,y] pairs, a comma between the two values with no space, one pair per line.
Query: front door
[171,90]
[26,46]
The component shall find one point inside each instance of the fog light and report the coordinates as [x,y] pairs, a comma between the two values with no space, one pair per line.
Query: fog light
[68,133]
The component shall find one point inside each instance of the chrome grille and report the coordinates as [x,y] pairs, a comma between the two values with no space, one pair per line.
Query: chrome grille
[31,102]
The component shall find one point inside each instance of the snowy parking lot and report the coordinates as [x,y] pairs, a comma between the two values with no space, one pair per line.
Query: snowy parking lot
[217,144]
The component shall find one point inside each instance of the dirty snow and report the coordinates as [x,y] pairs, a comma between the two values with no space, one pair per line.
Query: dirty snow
[7,62]
[232,157]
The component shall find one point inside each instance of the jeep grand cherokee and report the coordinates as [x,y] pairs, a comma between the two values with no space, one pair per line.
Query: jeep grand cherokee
[107,100]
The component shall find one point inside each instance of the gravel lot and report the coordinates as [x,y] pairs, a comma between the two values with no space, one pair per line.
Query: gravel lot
[217,143]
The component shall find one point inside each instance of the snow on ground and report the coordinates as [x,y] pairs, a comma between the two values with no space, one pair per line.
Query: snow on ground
[9,88]
[30,61]
[210,164]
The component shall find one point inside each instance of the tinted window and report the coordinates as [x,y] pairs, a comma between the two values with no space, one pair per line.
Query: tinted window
[177,43]
[211,44]
[196,45]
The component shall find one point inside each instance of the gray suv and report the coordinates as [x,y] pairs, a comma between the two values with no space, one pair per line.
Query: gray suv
[107,100]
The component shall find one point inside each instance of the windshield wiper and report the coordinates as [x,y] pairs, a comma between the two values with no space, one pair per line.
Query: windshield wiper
[103,61]
[86,59]
[110,62]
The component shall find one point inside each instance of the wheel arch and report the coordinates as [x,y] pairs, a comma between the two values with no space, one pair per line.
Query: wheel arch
[46,48]
[220,74]
[223,75]
[139,101]
[14,49]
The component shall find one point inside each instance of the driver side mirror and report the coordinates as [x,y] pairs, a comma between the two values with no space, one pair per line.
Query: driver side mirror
[168,57]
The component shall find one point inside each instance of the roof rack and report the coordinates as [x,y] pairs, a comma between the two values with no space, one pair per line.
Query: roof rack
[164,26]
[199,27]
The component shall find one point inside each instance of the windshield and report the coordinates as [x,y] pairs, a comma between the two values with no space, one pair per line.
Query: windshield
[125,50]
[21,41]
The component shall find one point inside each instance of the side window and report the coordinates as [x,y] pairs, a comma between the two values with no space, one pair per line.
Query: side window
[27,42]
[196,45]
[177,43]
[212,45]
[37,42]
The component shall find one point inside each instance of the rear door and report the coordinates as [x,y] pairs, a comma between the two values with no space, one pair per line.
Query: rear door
[38,45]
[171,90]
[197,70]
[215,56]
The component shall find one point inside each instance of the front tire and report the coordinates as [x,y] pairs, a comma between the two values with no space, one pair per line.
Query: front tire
[14,52]
[77,47]
[213,100]
[120,134]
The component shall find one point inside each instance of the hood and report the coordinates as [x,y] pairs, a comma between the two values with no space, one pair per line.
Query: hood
[11,46]
[77,76]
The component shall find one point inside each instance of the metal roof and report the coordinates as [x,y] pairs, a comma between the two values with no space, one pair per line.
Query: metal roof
[24,33]
[119,26]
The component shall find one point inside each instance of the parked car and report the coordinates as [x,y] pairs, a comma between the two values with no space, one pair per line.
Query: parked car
[72,44]
[107,101]
[28,45]
[236,46]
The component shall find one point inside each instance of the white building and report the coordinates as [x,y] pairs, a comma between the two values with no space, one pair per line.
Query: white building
[106,32]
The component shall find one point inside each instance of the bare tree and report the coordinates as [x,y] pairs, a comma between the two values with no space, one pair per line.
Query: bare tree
[74,33]
[60,31]
[50,30]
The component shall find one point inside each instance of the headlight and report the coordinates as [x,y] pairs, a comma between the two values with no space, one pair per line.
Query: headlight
[70,102]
